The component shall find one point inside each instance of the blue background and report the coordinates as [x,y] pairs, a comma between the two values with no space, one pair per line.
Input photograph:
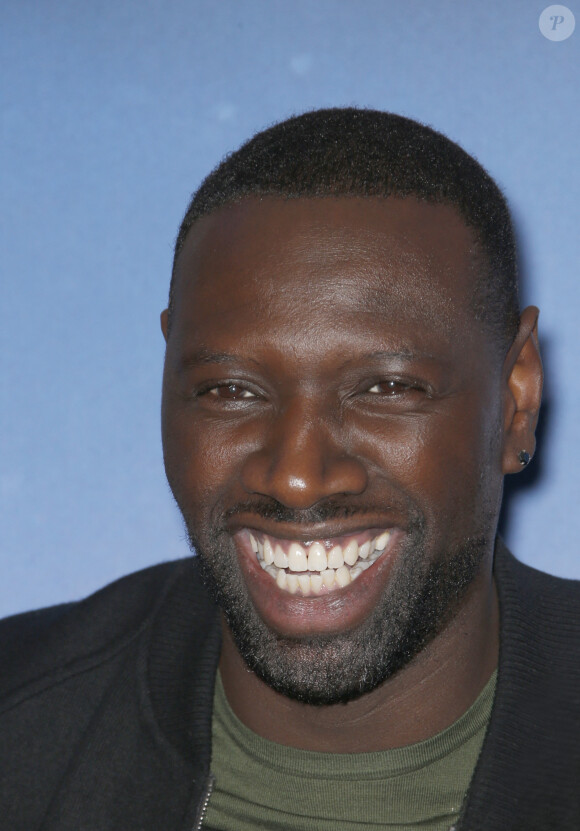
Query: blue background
[112,112]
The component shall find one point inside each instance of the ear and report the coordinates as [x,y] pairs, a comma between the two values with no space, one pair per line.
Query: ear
[164,316]
[523,378]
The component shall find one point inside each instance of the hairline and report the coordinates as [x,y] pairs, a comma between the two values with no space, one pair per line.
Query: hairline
[480,259]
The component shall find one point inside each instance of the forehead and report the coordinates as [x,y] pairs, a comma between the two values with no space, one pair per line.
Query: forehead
[403,259]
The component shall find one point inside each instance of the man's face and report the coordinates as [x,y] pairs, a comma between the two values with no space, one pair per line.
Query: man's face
[332,431]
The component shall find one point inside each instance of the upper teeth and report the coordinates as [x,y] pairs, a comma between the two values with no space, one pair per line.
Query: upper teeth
[320,568]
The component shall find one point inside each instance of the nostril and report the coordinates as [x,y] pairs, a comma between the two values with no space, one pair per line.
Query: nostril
[302,479]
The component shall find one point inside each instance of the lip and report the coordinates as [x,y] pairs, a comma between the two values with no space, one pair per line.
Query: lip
[328,540]
[296,616]
[329,531]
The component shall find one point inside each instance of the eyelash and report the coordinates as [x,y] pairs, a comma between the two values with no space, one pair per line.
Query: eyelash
[394,388]
[213,390]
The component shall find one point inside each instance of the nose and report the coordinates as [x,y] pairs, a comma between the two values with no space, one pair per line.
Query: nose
[302,460]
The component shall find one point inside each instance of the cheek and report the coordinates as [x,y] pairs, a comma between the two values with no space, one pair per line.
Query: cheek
[440,461]
[200,461]
[461,464]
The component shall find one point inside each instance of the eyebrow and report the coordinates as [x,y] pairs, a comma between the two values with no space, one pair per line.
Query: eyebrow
[398,354]
[203,355]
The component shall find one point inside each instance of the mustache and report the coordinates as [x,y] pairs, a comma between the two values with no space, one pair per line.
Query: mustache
[271,509]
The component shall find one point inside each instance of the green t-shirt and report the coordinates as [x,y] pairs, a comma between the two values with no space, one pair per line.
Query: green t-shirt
[264,785]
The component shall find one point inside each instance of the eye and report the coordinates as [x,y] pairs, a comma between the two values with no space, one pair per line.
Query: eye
[390,387]
[230,392]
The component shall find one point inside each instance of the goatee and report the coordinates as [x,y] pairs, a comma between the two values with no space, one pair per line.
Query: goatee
[422,596]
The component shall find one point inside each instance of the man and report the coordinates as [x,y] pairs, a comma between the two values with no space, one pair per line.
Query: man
[348,378]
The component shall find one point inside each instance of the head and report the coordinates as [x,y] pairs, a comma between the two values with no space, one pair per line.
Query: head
[368,153]
[347,380]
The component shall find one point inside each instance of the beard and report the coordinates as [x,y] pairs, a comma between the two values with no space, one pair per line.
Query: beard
[423,594]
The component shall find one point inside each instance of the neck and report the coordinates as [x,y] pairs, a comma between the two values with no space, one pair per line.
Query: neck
[420,700]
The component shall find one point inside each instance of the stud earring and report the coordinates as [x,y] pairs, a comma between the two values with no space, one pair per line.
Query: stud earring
[524,458]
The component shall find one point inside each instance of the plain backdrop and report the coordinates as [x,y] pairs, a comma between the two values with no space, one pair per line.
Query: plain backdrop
[112,113]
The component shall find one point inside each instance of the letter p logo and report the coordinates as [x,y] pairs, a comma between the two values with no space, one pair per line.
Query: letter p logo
[557,22]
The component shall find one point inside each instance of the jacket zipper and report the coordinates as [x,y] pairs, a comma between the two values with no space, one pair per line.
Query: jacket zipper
[209,783]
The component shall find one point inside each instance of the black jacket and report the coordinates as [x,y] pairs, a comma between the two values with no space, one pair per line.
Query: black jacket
[105,708]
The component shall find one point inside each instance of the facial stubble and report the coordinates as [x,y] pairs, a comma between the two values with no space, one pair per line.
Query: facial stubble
[421,597]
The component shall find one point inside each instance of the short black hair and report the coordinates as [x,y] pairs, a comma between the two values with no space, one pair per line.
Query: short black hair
[368,153]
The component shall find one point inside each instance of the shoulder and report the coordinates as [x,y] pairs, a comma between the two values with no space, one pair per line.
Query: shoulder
[534,586]
[530,758]
[45,642]
[105,695]
[540,613]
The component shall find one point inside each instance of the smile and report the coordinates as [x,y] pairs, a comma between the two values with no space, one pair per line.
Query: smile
[317,567]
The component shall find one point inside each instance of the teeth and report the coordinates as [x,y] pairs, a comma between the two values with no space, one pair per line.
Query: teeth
[382,541]
[268,553]
[328,578]
[315,583]
[342,576]
[335,558]
[311,569]
[317,557]
[297,558]
[291,582]
[350,553]
[280,557]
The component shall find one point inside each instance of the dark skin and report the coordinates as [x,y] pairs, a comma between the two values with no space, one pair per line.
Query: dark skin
[323,348]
